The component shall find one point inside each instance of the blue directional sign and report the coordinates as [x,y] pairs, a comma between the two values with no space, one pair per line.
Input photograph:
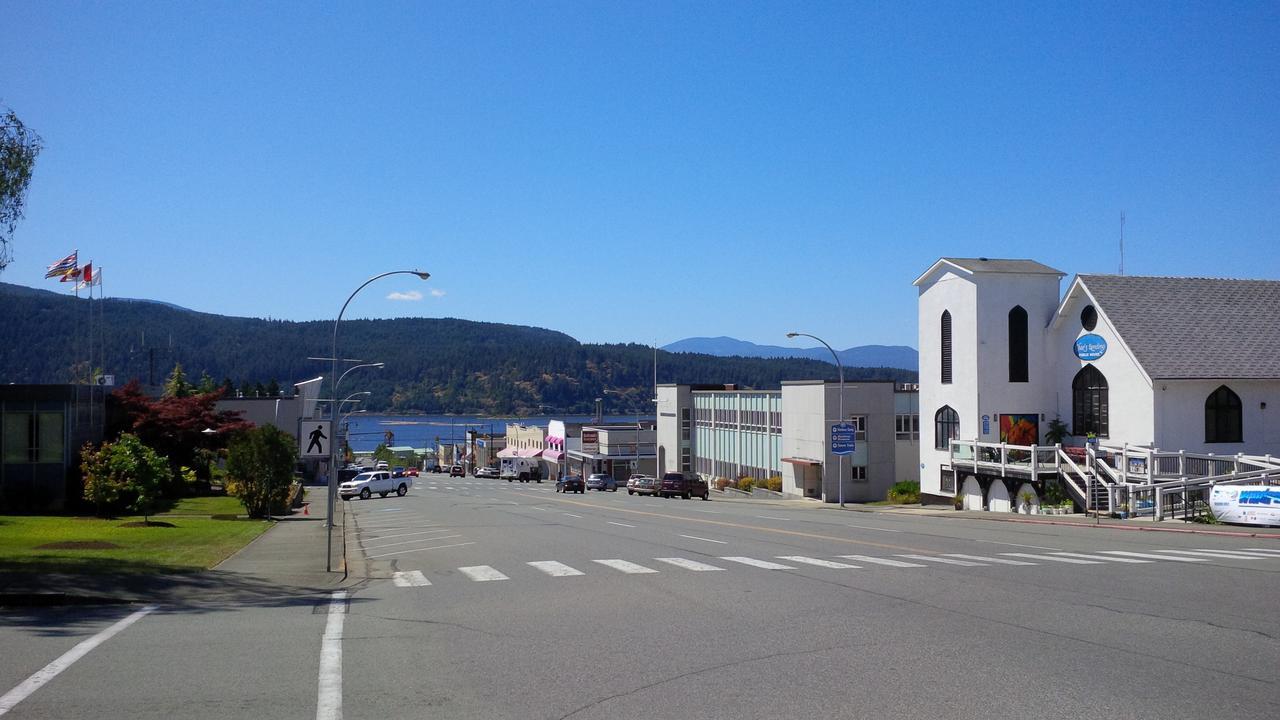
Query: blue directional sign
[842,439]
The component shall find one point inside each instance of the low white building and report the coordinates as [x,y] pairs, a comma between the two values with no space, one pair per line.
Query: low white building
[1179,364]
[722,431]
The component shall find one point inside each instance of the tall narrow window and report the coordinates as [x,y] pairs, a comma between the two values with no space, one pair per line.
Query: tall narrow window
[1018,344]
[946,427]
[1089,407]
[1222,417]
[946,347]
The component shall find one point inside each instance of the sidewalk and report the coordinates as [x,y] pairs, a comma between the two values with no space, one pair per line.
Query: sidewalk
[284,562]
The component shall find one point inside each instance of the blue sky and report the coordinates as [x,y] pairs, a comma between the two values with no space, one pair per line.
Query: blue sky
[638,172]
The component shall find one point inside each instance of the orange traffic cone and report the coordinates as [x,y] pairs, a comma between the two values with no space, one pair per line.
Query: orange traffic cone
[306,508]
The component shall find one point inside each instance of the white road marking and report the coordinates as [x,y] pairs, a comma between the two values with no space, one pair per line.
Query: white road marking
[413,578]
[978,558]
[555,569]
[1097,557]
[758,563]
[574,516]
[424,532]
[620,524]
[695,537]
[1216,554]
[1151,556]
[1054,558]
[946,561]
[820,563]
[772,517]
[329,688]
[482,573]
[64,661]
[414,550]
[881,561]
[410,542]
[627,567]
[689,564]
[535,507]
[1270,551]
[868,527]
[1246,553]
[709,512]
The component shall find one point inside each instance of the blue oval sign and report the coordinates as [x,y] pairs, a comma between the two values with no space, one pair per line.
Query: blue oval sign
[1090,347]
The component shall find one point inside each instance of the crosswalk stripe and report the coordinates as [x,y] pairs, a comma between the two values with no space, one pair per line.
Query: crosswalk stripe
[482,573]
[1269,551]
[947,561]
[1151,556]
[1246,553]
[555,569]
[1072,561]
[689,564]
[880,561]
[1099,557]
[1216,554]
[978,558]
[758,563]
[820,563]
[627,567]
[413,578]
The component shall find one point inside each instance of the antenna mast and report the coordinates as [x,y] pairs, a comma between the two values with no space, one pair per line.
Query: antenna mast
[1121,242]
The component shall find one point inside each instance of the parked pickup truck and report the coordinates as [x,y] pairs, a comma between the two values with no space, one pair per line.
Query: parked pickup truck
[686,485]
[366,484]
[522,469]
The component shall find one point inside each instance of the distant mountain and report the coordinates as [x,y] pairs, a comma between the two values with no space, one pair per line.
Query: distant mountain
[892,356]
[433,365]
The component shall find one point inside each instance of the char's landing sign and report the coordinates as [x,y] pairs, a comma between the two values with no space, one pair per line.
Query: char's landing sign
[313,441]
[1247,504]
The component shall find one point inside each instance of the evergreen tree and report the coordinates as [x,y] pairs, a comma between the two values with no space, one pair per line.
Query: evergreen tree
[206,384]
[273,388]
[177,386]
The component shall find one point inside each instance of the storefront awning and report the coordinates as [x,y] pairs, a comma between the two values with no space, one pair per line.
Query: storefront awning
[552,455]
[528,452]
[801,461]
[507,452]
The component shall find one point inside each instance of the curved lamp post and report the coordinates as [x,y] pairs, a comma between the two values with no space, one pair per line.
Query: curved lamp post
[840,479]
[333,377]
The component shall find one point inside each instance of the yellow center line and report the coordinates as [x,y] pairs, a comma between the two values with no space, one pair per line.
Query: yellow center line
[741,526]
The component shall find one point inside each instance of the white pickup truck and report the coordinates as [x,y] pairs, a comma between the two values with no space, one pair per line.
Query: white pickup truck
[366,484]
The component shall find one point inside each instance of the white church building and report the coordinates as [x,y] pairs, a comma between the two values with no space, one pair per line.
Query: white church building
[1173,377]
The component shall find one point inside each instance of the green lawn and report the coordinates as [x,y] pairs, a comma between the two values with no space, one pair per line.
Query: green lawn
[205,506]
[94,545]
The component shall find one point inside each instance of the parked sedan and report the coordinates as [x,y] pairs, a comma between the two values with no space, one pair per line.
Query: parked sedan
[642,485]
[571,483]
[602,482]
[457,471]
[487,472]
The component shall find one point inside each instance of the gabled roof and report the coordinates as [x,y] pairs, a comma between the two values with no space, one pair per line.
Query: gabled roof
[1194,328]
[970,266]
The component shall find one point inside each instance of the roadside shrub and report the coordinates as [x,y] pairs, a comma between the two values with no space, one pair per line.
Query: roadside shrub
[774,483]
[906,492]
[125,474]
[722,483]
[745,484]
[260,470]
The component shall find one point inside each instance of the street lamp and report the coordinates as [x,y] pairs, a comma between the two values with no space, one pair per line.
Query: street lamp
[333,377]
[840,479]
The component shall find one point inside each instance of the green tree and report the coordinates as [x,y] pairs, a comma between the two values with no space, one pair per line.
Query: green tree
[19,147]
[273,388]
[260,469]
[177,385]
[206,384]
[125,473]
[382,452]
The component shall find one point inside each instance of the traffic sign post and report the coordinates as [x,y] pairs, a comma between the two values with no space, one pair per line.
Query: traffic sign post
[843,440]
[315,439]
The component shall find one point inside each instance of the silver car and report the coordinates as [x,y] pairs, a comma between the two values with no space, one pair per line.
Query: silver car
[602,482]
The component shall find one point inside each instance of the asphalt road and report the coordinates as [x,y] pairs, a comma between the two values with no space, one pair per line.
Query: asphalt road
[497,600]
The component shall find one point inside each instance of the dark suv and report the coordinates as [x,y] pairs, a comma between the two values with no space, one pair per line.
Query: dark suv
[686,485]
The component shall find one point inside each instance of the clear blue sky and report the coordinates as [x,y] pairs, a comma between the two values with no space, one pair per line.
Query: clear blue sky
[639,171]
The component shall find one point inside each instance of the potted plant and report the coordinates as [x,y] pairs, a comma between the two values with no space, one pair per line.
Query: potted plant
[1057,431]
[1024,502]
[958,501]
[1124,510]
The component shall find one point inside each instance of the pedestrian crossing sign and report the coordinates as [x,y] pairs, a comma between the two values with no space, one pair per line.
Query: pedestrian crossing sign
[313,441]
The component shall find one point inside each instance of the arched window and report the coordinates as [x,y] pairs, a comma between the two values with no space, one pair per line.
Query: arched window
[1089,402]
[946,427]
[1222,421]
[1017,344]
[946,347]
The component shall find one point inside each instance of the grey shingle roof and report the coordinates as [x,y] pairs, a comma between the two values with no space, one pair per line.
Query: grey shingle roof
[1195,327]
[1002,265]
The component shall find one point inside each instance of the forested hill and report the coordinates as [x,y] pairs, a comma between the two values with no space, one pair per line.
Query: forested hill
[432,365]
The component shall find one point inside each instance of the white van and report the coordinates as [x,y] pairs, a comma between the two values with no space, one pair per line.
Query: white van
[522,469]
[379,481]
